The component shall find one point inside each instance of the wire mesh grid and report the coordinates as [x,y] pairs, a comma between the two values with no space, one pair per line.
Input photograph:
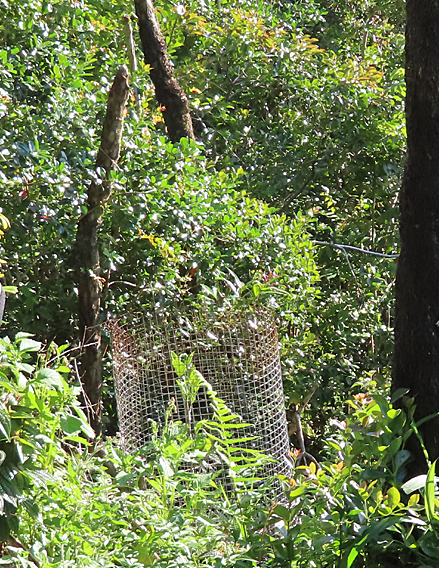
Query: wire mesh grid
[236,352]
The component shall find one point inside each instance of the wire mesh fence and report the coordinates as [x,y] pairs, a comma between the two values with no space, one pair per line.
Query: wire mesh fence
[236,352]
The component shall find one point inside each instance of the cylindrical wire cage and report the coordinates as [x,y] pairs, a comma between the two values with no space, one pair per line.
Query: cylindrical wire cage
[236,352]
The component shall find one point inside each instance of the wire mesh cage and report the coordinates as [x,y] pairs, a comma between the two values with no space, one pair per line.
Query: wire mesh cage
[236,352]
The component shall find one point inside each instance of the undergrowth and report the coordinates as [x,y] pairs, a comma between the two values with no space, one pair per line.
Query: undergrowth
[66,505]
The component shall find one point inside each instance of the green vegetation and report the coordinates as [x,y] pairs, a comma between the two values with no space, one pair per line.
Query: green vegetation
[154,511]
[298,116]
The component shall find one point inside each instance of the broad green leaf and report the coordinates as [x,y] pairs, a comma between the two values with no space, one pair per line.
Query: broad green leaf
[294,493]
[393,497]
[71,425]
[414,484]
[256,290]
[166,467]
[352,556]
[27,344]
[401,458]
[353,553]
[282,512]
[4,528]
[124,479]
[87,430]
[31,507]
[381,526]
[22,335]
[87,548]
[50,378]
[85,426]
[414,499]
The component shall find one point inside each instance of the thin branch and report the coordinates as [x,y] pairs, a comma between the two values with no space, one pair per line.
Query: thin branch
[294,414]
[307,398]
[131,53]
[122,282]
[71,351]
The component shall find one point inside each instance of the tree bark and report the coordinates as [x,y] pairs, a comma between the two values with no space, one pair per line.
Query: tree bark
[87,248]
[169,94]
[416,355]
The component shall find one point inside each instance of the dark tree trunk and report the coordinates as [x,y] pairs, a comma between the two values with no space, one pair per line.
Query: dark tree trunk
[169,94]
[87,248]
[416,356]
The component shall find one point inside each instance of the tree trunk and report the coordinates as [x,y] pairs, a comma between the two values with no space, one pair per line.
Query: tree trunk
[416,356]
[169,94]
[87,248]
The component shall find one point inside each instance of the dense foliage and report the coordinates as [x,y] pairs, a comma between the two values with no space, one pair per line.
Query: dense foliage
[299,119]
[297,110]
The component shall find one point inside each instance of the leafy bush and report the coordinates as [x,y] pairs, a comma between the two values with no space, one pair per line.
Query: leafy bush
[353,511]
[38,413]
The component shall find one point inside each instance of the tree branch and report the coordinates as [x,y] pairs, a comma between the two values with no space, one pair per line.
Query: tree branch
[87,249]
[169,94]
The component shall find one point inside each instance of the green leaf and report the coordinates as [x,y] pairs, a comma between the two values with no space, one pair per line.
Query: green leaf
[398,394]
[414,484]
[4,528]
[165,466]
[5,422]
[87,430]
[401,458]
[294,493]
[50,378]
[256,290]
[429,493]
[381,526]
[179,366]
[70,424]
[352,556]
[31,507]
[21,335]
[393,497]
[87,548]
[282,512]
[10,289]
[27,344]
[85,427]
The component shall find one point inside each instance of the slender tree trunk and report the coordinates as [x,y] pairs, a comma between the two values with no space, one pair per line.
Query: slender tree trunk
[169,94]
[87,248]
[416,356]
